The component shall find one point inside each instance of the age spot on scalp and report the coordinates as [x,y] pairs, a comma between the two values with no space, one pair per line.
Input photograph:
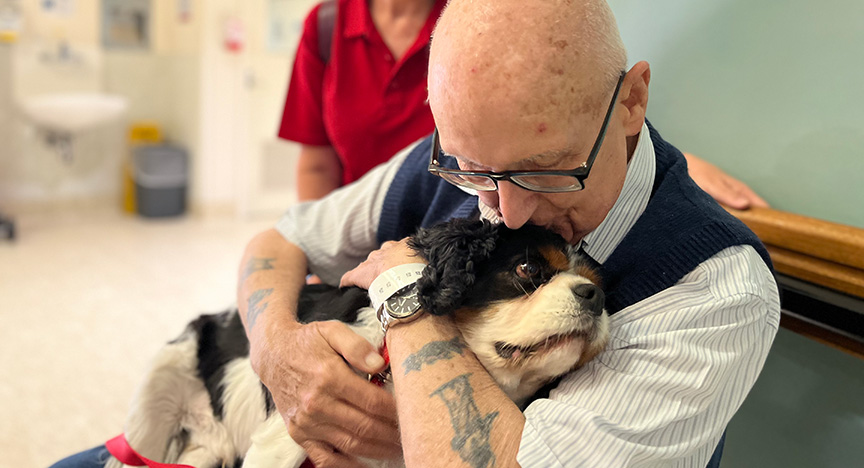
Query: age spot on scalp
[562,44]
[541,128]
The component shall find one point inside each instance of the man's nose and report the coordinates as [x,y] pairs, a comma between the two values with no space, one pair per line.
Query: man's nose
[516,204]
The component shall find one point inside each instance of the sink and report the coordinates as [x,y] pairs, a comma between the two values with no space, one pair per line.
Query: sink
[73,113]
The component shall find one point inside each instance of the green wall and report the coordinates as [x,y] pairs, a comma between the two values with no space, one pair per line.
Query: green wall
[771,91]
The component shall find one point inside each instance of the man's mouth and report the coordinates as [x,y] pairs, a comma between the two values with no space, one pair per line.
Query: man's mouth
[516,352]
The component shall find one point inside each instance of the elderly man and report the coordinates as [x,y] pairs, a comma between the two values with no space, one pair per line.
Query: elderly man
[693,301]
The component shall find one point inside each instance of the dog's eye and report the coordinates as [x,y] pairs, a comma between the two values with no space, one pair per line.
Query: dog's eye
[528,270]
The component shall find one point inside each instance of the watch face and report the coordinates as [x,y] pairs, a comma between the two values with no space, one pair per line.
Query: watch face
[403,305]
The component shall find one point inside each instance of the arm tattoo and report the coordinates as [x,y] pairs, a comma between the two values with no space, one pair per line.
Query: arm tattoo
[258,264]
[472,430]
[256,308]
[433,352]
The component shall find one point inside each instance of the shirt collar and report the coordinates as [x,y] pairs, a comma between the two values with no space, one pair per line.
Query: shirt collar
[602,241]
[638,183]
[358,19]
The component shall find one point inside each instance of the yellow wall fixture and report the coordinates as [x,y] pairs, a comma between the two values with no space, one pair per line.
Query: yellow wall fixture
[140,133]
[145,132]
[8,37]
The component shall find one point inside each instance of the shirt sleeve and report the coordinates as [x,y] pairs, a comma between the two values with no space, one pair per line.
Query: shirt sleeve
[303,115]
[339,231]
[678,366]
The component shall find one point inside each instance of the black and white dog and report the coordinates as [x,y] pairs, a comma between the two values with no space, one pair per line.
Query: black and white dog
[525,303]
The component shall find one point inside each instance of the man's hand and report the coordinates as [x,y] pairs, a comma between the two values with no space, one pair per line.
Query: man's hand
[721,186]
[333,413]
[390,254]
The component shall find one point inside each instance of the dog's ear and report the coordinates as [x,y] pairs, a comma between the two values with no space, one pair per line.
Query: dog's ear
[453,250]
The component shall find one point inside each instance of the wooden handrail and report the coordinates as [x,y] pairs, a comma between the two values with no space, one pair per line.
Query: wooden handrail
[813,250]
[824,240]
[813,270]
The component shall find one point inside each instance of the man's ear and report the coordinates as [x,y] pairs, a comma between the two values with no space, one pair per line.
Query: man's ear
[634,96]
[453,249]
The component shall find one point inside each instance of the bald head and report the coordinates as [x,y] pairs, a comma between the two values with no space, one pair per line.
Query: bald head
[542,64]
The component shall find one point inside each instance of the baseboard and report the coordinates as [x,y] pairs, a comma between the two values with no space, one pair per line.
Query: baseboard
[17,208]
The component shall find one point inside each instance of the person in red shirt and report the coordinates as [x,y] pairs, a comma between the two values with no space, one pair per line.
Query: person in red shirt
[369,100]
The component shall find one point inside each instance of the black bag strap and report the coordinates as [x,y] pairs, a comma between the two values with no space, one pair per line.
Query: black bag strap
[326,24]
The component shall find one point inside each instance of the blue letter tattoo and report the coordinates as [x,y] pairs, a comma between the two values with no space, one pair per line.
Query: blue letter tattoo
[473,431]
[256,308]
[433,352]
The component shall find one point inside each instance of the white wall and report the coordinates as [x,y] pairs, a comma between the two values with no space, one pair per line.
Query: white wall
[242,95]
[29,170]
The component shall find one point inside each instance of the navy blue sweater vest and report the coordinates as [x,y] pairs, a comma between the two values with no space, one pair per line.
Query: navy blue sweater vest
[680,228]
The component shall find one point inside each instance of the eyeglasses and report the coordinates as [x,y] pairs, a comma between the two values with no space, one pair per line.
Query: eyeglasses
[535,181]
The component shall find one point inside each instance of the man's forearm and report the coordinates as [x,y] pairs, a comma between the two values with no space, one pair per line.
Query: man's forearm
[451,412]
[272,272]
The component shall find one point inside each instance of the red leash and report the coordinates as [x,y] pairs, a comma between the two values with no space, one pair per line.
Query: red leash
[121,450]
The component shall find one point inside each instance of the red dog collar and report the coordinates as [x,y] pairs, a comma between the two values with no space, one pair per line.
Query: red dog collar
[382,377]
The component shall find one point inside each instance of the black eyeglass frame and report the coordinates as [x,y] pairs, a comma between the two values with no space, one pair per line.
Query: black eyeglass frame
[580,173]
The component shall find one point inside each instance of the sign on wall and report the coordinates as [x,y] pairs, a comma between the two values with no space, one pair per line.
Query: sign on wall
[126,24]
[184,10]
[63,8]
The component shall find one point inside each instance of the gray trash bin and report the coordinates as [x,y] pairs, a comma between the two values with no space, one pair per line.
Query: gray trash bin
[161,175]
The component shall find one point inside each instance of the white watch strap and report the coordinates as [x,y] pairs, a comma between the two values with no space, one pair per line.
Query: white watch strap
[393,280]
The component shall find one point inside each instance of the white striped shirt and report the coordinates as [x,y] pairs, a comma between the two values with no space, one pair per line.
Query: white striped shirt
[679,364]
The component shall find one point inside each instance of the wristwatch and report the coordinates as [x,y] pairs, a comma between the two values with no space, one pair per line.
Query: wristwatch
[402,307]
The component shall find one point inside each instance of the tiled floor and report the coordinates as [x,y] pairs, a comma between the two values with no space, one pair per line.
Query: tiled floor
[85,301]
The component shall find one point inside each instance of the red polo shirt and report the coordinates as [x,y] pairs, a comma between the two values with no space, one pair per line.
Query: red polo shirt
[364,103]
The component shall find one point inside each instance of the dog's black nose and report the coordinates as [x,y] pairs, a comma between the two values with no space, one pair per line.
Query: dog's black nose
[590,297]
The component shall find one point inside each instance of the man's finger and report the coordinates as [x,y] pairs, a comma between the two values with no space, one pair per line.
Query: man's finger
[329,405]
[367,398]
[344,384]
[352,347]
[370,426]
[347,279]
[755,200]
[725,192]
[349,444]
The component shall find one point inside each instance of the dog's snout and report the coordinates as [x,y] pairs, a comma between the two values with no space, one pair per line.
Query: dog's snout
[591,297]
